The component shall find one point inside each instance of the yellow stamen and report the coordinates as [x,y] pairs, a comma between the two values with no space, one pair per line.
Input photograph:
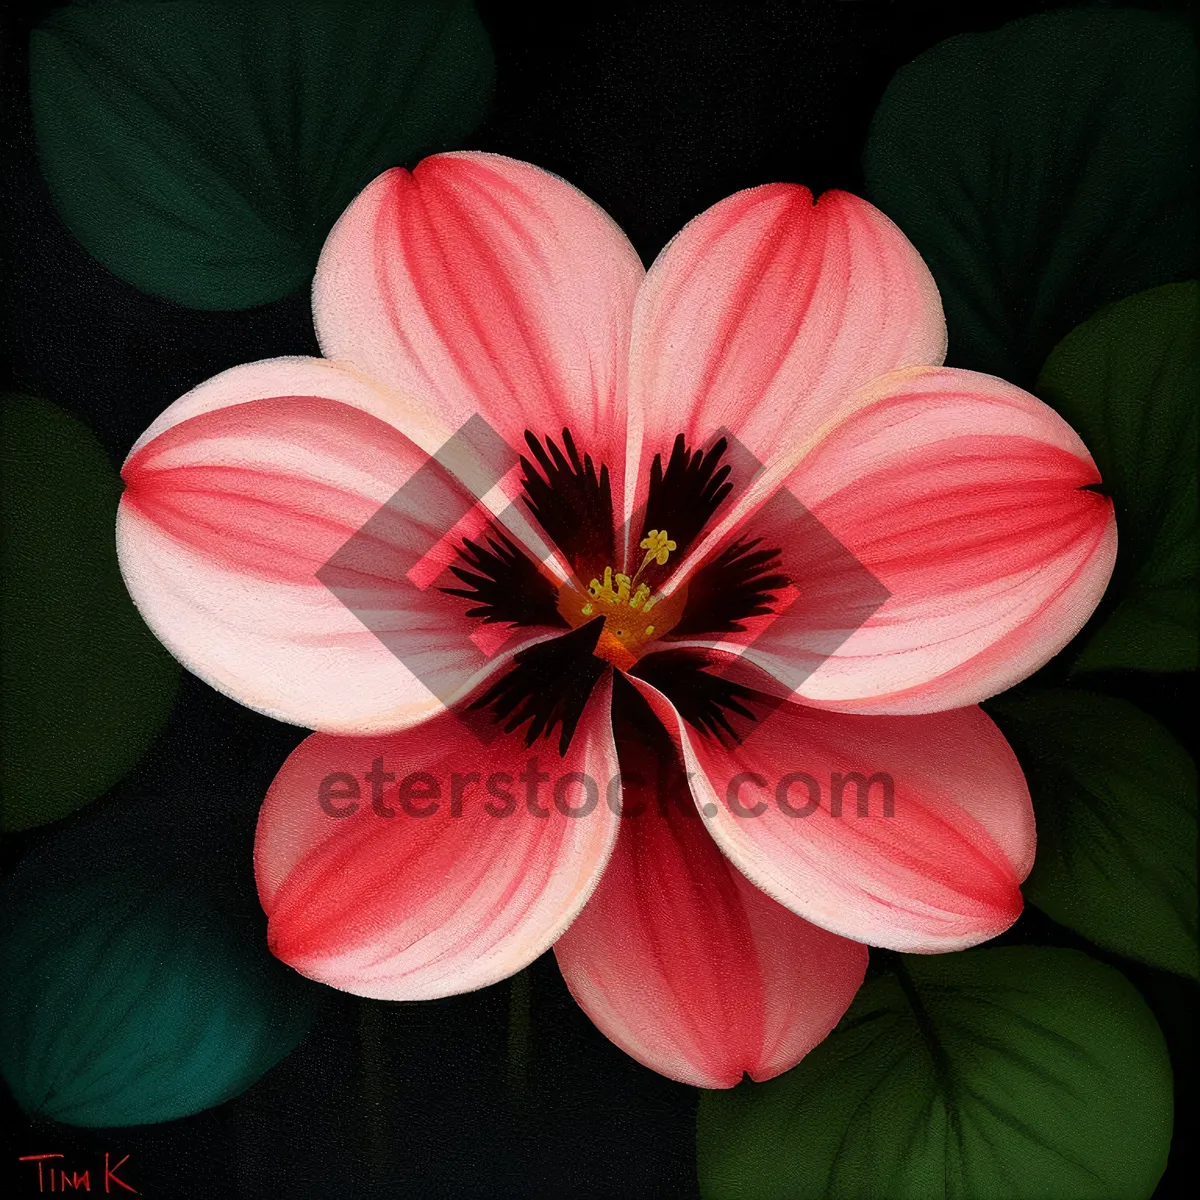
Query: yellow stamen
[657,541]
[624,604]
[658,546]
[604,591]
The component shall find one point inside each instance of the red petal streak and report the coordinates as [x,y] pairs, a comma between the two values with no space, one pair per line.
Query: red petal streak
[408,907]
[686,965]
[940,873]
[235,500]
[970,502]
[768,309]
[482,285]
[272,486]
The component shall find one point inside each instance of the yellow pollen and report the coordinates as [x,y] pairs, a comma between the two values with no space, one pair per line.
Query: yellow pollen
[625,605]
[657,545]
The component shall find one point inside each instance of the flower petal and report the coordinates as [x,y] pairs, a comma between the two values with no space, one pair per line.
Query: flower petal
[938,869]
[765,311]
[297,375]
[684,963]
[385,902]
[243,491]
[971,504]
[483,285]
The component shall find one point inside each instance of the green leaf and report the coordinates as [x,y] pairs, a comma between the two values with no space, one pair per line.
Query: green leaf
[1129,381]
[127,1002]
[1115,797]
[1018,1073]
[1043,170]
[203,149]
[87,686]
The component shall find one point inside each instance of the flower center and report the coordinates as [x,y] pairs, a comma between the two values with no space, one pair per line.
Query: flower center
[633,616]
[616,620]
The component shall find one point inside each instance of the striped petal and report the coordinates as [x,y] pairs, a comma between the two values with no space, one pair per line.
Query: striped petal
[240,503]
[973,506]
[685,964]
[485,286]
[764,312]
[911,833]
[417,865]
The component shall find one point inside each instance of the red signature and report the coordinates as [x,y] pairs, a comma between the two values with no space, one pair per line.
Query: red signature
[53,1176]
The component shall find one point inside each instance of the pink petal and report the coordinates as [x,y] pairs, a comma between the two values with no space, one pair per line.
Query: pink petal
[941,872]
[408,906]
[239,494]
[483,285]
[765,311]
[686,965]
[969,501]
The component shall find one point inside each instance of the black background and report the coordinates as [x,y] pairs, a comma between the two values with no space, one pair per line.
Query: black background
[656,111]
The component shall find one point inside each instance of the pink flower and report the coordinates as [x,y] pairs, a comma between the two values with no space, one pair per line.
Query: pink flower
[822,550]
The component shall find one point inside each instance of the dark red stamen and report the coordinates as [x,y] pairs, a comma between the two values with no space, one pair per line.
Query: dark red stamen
[684,497]
[506,583]
[706,701]
[738,583]
[571,501]
[548,686]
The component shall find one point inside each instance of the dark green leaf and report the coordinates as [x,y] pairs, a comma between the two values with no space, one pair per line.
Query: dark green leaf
[127,1002]
[203,149]
[1115,797]
[1043,170]
[1129,381]
[1019,1073]
[86,685]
